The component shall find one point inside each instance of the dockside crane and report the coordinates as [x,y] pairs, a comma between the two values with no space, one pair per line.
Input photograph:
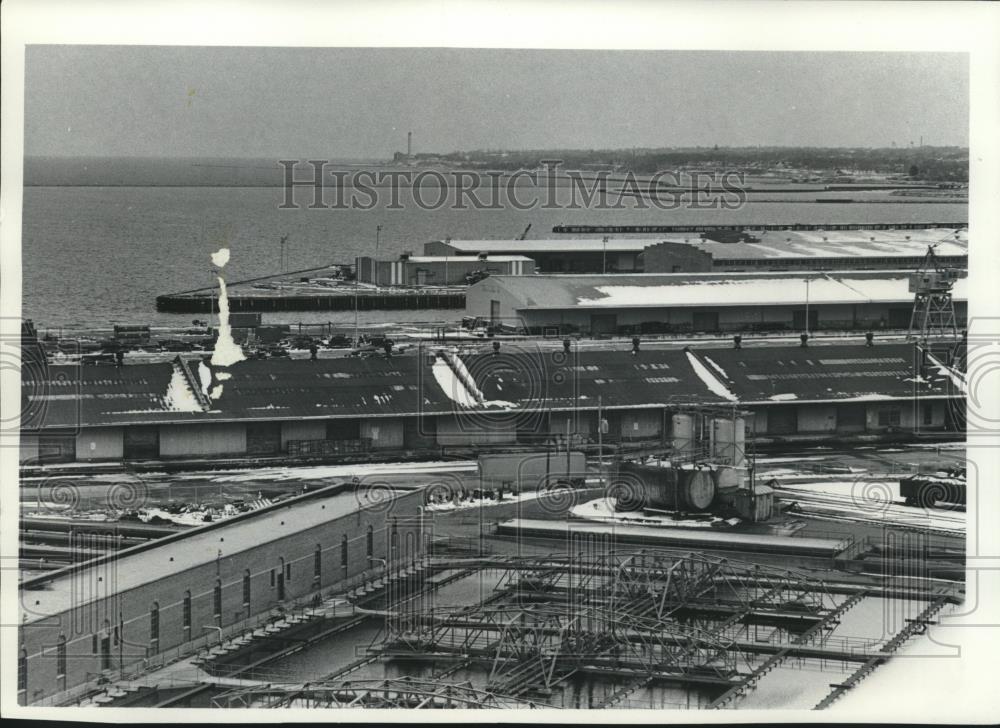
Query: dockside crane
[933,314]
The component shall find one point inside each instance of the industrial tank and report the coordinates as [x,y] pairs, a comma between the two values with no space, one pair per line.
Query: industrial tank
[664,487]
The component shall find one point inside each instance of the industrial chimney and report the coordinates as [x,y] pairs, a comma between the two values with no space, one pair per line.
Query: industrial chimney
[409,144]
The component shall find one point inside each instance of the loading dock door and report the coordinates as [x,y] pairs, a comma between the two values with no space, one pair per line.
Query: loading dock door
[705,321]
[782,421]
[56,449]
[799,319]
[141,443]
[264,438]
[850,418]
[899,318]
[603,323]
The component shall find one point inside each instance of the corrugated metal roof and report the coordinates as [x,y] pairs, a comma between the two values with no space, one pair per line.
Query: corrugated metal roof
[465,259]
[70,396]
[560,245]
[780,245]
[542,379]
[521,378]
[827,372]
[711,290]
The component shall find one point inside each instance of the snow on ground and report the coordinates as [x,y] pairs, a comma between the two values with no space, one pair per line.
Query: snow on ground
[319,472]
[603,510]
[508,499]
[868,501]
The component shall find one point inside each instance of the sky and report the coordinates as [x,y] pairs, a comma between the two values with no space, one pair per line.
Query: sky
[342,103]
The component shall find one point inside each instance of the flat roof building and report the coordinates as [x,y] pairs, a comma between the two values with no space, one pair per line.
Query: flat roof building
[699,302]
[808,250]
[581,255]
[438,400]
[439,270]
[727,250]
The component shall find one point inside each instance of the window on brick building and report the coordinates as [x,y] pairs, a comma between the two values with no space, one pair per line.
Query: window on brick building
[318,561]
[246,586]
[187,610]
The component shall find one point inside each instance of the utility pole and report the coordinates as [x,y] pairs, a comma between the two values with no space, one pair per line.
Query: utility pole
[600,439]
[357,271]
[807,307]
[378,232]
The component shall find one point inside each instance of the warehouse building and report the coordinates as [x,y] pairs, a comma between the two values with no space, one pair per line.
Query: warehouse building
[144,603]
[440,401]
[652,303]
[775,250]
[583,255]
[719,249]
[430,270]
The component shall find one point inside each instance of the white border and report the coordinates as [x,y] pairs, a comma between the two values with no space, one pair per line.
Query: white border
[933,691]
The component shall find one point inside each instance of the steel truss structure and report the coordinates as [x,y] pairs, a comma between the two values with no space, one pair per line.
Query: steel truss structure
[623,620]
[642,617]
[404,692]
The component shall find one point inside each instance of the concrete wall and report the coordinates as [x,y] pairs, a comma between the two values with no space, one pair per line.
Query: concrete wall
[297,549]
[475,429]
[28,448]
[816,418]
[195,440]
[860,317]
[302,430]
[386,433]
[100,443]
[643,424]
[479,296]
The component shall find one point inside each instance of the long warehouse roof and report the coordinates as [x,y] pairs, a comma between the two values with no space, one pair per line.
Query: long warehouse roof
[810,245]
[519,381]
[708,290]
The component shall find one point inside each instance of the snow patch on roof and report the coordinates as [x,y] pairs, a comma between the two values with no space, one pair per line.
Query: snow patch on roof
[947,371]
[709,379]
[451,385]
[179,397]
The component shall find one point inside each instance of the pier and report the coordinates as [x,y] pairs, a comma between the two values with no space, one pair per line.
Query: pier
[311,289]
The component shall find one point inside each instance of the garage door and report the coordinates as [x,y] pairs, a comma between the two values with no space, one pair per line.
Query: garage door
[264,438]
[705,321]
[141,443]
[782,421]
[603,323]
[850,418]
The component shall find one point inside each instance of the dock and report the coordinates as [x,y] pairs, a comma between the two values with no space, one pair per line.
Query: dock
[311,289]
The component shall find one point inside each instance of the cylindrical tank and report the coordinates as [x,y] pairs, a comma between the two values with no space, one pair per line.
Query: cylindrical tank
[664,488]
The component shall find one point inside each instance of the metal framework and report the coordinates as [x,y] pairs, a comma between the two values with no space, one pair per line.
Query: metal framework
[405,692]
[640,616]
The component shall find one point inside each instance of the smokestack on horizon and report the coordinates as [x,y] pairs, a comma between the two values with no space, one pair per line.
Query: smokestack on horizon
[409,144]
